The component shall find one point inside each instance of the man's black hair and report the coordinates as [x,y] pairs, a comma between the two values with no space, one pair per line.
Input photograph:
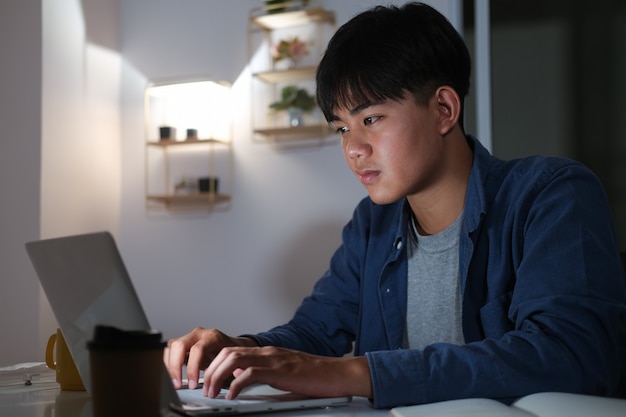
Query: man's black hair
[385,52]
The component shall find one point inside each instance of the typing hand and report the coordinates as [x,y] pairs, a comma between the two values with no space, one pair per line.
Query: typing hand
[197,349]
[287,370]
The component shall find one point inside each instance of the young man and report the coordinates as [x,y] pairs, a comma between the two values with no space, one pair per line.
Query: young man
[461,275]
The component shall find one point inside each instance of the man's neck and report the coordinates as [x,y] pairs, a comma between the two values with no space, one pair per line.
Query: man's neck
[437,207]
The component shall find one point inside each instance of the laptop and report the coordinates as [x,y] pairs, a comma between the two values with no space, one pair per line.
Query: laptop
[86,283]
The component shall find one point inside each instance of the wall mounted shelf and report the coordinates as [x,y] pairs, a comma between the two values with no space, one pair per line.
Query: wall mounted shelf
[193,172]
[163,143]
[194,200]
[293,74]
[313,26]
[273,21]
[307,131]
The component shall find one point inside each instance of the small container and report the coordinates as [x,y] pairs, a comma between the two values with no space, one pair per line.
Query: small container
[126,372]
[192,134]
[167,133]
[208,184]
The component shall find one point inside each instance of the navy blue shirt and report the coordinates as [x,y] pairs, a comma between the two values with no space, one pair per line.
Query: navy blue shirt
[544,298]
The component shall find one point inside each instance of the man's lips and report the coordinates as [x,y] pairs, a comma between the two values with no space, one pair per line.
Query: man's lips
[367,176]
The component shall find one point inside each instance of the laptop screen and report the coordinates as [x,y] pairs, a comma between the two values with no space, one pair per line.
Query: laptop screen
[86,284]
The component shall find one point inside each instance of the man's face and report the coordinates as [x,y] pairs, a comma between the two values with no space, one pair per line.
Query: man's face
[393,147]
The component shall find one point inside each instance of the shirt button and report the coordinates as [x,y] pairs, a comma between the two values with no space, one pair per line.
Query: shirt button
[399,244]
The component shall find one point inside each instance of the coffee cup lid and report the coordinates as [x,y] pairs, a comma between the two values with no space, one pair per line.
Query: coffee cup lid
[109,337]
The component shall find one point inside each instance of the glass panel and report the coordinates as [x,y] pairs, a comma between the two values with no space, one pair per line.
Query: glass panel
[558,85]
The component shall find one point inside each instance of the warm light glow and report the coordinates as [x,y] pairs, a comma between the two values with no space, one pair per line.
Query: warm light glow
[203,105]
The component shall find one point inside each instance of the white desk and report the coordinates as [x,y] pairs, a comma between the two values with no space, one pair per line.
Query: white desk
[44,399]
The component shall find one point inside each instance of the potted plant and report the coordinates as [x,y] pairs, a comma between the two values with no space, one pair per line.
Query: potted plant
[292,49]
[296,101]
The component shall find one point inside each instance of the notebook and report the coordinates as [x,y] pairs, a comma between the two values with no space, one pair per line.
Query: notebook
[86,283]
[542,404]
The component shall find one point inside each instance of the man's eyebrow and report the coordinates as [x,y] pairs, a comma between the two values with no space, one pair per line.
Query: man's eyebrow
[360,107]
[355,110]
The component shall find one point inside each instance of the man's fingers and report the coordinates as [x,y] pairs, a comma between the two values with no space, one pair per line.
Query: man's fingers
[179,353]
[216,373]
[244,379]
[231,361]
[174,356]
[197,350]
[195,363]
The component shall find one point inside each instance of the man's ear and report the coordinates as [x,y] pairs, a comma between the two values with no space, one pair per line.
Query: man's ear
[448,107]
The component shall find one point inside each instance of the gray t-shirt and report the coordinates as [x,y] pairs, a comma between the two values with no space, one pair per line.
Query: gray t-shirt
[434,293]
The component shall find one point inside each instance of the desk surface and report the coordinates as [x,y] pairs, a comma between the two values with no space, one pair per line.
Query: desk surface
[44,399]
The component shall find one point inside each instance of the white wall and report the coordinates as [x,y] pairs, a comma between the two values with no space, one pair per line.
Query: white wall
[244,270]
[60,166]
[72,162]
[80,141]
[20,118]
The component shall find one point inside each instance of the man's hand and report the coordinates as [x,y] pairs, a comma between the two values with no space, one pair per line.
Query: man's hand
[287,370]
[197,349]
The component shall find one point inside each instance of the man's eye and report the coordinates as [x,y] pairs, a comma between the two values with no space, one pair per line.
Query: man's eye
[370,119]
[342,130]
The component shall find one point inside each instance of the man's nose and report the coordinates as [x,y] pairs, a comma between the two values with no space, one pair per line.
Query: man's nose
[356,147]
